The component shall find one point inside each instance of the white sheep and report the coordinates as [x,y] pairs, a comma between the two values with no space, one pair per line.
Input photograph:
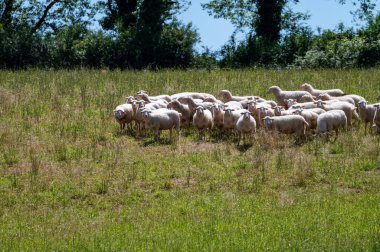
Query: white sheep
[331,120]
[287,124]
[327,97]
[149,99]
[280,111]
[162,119]
[218,115]
[124,115]
[202,120]
[194,95]
[230,118]
[309,88]
[262,113]
[186,113]
[227,96]
[309,115]
[366,113]
[282,95]
[376,118]
[246,125]
[349,109]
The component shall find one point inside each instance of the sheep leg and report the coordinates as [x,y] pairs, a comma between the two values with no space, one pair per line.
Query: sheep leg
[336,134]
[239,139]
[365,128]
[171,131]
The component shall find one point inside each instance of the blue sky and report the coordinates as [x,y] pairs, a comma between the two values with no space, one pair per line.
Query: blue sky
[215,32]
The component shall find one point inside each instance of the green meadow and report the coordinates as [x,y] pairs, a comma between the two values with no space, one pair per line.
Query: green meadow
[70,180]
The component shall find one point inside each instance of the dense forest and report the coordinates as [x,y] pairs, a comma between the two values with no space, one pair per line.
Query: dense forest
[147,34]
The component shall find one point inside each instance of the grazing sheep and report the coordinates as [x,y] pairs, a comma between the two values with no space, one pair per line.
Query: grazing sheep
[227,96]
[331,120]
[282,95]
[309,88]
[349,109]
[202,120]
[124,115]
[356,98]
[194,95]
[308,98]
[310,117]
[186,113]
[233,104]
[366,113]
[327,97]
[246,125]
[149,99]
[193,104]
[376,118]
[213,100]
[287,124]
[162,119]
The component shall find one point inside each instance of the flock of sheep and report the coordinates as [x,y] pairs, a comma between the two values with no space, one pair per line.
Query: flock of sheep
[304,111]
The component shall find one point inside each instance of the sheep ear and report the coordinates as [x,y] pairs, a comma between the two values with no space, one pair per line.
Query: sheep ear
[114,110]
[242,113]
[324,103]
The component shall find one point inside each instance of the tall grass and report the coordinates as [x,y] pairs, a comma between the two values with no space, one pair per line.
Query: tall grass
[69,180]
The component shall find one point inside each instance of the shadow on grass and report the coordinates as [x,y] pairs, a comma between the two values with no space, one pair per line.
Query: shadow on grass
[244,147]
[154,142]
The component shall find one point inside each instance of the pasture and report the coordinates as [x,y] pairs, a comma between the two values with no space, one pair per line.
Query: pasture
[69,180]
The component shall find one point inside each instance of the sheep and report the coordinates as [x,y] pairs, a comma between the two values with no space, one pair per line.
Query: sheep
[246,125]
[378,97]
[366,113]
[138,117]
[309,88]
[193,104]
[213,100]
[218,115]
[149,99]
[263,112]
[194,95]
[162,119]
[309,115]
[253,107]
[376,118]
[356,98]
[331,120]
[327,97]
[186,113]
[203,120]
[230,118]
[233,104]
[349,109]
[124,115]
[282,95]
[280,111]
[227,96]
[287,124]
[308,98]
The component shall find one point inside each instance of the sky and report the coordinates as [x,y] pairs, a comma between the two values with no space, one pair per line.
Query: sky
[325,14]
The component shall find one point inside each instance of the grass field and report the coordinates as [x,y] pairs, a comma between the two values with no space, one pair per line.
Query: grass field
[69,180]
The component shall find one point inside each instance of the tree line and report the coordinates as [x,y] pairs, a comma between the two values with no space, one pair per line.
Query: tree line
[147,34]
